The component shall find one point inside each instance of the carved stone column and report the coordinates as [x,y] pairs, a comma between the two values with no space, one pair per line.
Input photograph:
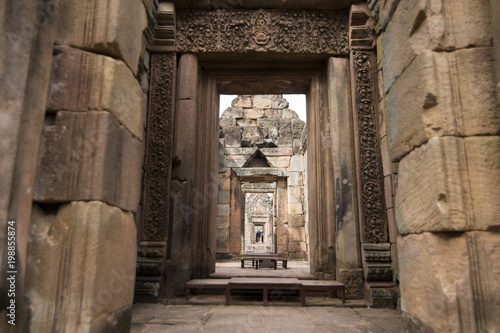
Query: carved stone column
[152,247]
[373,221]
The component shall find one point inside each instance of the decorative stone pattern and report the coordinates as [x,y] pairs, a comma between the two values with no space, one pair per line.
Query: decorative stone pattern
[158,164]
[372,189]
[378,262]
[277,31]
[353,280]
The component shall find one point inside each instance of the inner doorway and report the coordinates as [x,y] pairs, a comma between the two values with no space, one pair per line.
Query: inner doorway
[259,228]
[262,178]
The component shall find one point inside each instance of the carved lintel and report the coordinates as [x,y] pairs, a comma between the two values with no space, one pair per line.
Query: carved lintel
[274,31]
[159,137]
[372,212]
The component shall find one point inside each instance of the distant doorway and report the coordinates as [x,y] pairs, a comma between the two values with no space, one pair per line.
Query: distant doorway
[259,223]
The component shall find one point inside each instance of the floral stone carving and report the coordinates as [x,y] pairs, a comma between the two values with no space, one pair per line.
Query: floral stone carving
[158,160]
[278,31]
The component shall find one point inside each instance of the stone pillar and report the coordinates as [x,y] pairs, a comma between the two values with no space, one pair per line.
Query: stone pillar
[155,224]
[236,241]
[178,269]
[347,245]
[83,236]
[442,127]
[376,251]
[27,36]
[320,182]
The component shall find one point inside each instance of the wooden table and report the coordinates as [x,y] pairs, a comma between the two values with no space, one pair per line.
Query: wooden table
[261,283]
[257,260]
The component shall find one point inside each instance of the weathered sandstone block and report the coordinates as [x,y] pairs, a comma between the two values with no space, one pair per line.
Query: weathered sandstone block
[386,11]
[242,101]
[236,161]
[223,197]
[223,210]
[279,161]
[89,156]
[450,184]
[251,135]
[232,112]
[253,113]
[297,128]
[222,240]
[111,27]
[278,151]
[83,81]
[447,281]
[289,114]
[240,151]
[297,246]
[222,222]
[263,101]
[419,25]
[233,136]
[296,234]
[442,94]
[82,267]
[246,122]
[295,206]
[272,113]
[297,163]
[296,220]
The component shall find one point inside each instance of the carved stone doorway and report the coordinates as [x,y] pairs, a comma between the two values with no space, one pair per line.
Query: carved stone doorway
[346,207]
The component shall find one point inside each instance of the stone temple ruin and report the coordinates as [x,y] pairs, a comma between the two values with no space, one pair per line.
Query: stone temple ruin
[262,147]
[119,182]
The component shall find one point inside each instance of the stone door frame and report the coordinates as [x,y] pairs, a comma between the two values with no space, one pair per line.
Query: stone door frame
[353,182]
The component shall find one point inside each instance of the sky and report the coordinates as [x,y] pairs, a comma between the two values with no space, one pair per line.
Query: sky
[297,103]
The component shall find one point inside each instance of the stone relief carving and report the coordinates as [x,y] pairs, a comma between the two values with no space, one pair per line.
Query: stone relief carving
[353,280]
[278,31]
[372,195]
[158,164]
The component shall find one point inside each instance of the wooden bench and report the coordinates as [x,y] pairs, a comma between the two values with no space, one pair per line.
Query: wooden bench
[323,285]
[257,260]
[206,284]
[261,283]
[265,284]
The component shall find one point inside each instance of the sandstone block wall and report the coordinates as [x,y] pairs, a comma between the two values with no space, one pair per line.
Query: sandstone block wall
[441,111]
[79,113]
[261,132]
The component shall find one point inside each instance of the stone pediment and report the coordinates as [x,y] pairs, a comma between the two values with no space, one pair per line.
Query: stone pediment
[258,160]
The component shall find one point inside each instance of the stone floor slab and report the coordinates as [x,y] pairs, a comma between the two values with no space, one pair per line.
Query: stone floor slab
[253,318]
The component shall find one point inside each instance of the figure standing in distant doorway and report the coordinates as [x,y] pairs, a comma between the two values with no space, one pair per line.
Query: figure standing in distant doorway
[257,236]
